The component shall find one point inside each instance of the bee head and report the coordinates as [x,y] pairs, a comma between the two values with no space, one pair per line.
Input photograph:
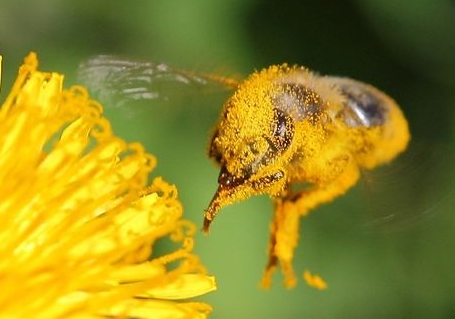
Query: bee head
[250,142]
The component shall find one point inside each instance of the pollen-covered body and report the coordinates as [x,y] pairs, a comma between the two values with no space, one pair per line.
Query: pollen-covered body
[286,126]
[299,137]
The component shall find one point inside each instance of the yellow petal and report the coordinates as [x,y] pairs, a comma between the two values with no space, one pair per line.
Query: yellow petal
[160,310]
[183,287]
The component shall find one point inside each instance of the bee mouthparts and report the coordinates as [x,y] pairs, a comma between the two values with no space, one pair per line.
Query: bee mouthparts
[214,207]
[223,196]
[210,214]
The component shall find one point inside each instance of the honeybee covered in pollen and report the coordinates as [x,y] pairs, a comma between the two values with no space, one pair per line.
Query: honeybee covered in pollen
[283,126]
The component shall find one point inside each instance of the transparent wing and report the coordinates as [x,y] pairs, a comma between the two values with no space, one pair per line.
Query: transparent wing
[116,81]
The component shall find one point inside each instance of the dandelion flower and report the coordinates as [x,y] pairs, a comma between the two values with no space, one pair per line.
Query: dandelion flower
[79,222]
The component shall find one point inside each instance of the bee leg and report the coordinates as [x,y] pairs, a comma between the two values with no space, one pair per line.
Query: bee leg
[283,240]
[285,226]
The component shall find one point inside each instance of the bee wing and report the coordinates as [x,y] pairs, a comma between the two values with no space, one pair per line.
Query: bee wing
[365,105]
[116,81]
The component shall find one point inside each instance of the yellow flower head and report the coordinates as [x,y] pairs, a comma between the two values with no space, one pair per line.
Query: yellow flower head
[78,223]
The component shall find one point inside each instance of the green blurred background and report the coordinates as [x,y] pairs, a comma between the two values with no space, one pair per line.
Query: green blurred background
[387,248]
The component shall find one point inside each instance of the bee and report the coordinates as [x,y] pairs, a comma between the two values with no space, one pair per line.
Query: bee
[285,126]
